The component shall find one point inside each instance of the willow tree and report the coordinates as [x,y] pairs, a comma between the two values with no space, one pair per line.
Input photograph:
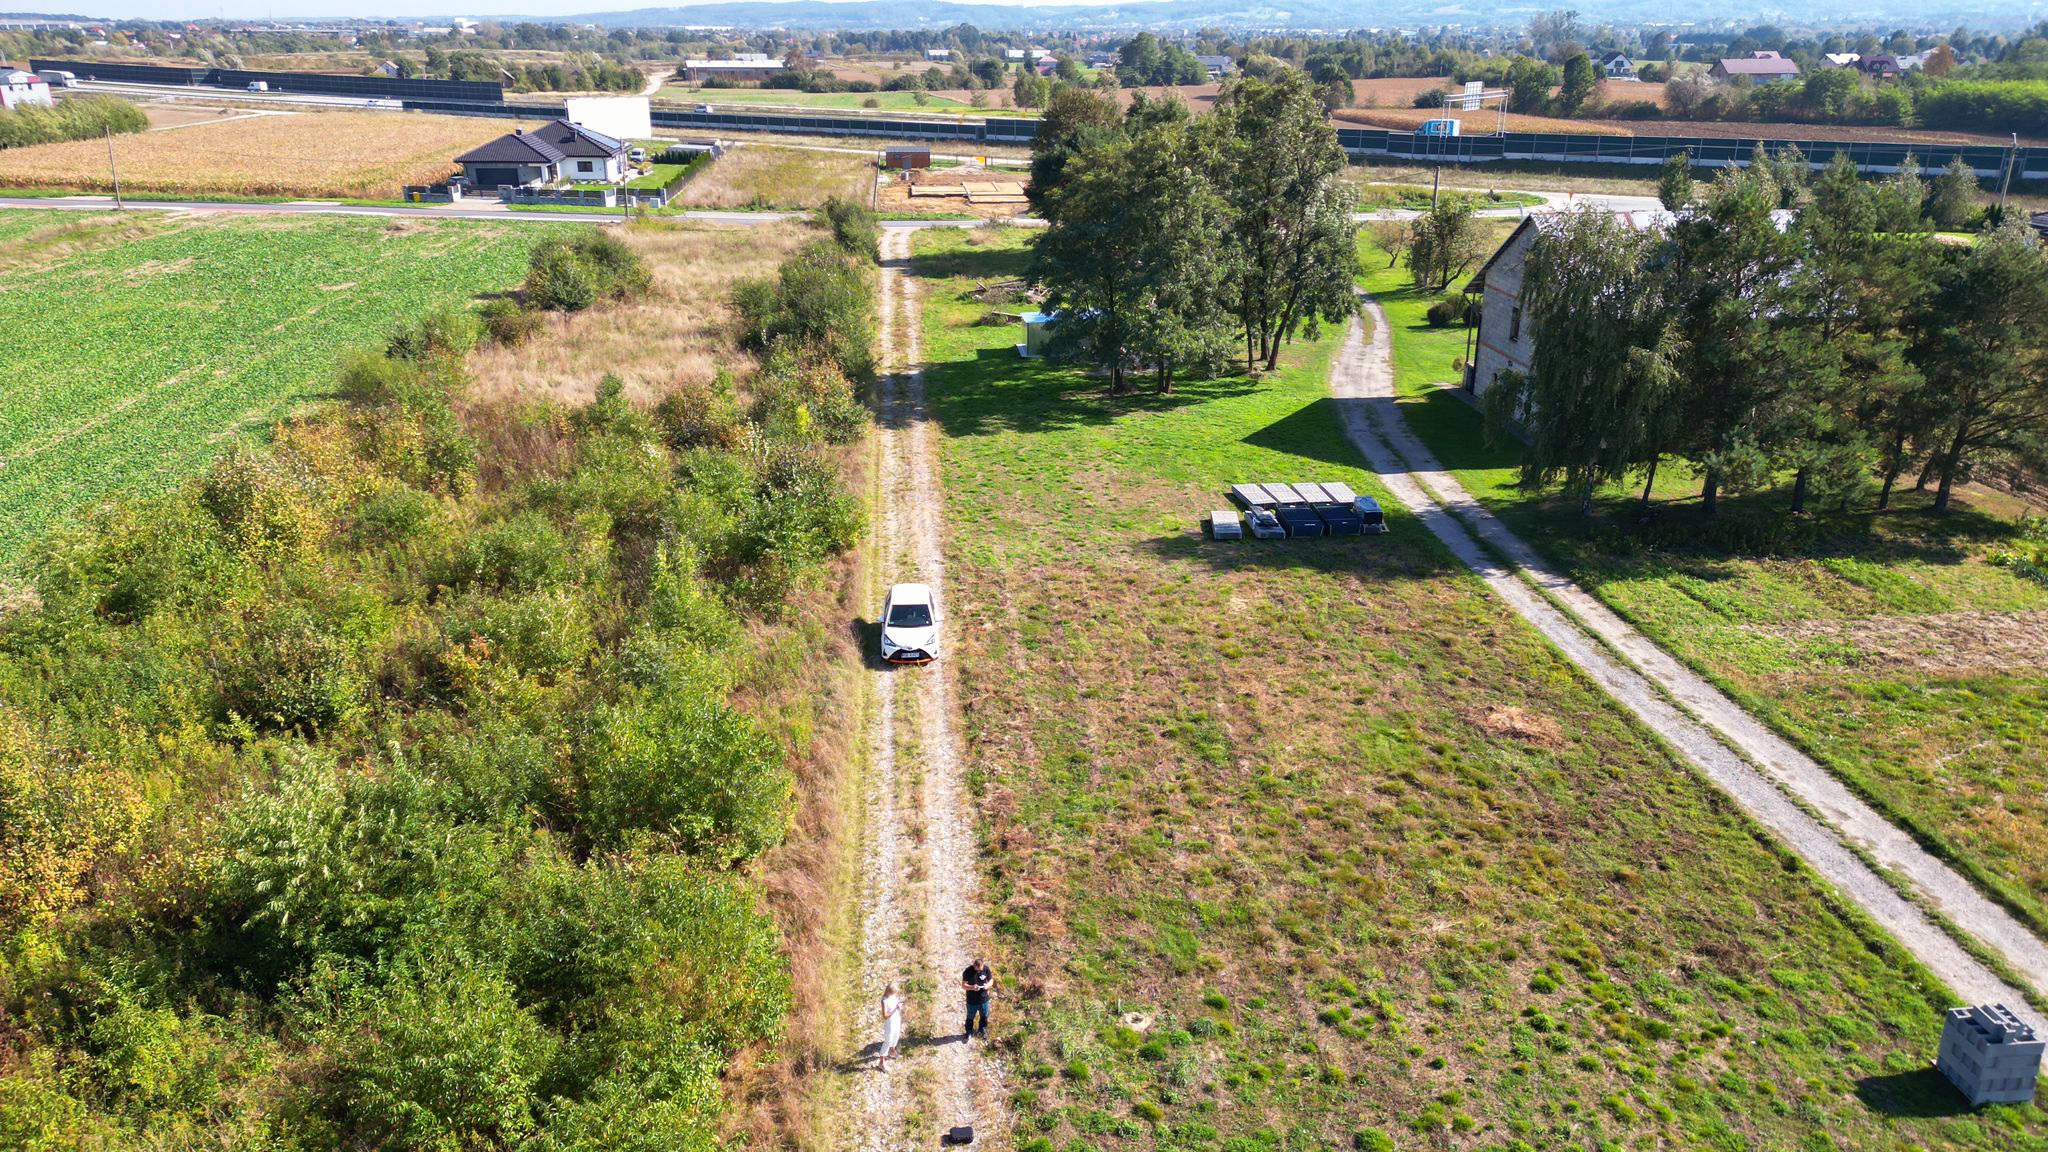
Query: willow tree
[1601,396]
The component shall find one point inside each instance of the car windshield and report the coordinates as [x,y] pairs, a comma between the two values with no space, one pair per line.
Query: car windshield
[910,616]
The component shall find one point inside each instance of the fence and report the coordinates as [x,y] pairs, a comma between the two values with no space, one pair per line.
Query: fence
[1987,160]
[319,83]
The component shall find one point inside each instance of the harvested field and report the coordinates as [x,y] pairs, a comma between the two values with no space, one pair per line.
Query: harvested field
[764,176]
[677,334]
[163,114]
[1479,123]
[311,154]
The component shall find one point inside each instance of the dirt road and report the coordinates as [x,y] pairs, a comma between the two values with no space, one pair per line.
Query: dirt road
[1823,822]
[922,916]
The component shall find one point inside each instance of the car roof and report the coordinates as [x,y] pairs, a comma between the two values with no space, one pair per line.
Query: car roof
[910,593]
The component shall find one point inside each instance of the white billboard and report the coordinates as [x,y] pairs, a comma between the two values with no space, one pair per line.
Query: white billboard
[620,117]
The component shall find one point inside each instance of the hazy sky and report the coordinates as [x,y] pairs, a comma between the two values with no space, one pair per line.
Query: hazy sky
[398,9]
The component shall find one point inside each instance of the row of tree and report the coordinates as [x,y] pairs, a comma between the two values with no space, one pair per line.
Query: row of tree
[1175,244]
[1837,343]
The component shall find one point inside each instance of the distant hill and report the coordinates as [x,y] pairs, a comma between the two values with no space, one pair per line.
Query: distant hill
[1159,15]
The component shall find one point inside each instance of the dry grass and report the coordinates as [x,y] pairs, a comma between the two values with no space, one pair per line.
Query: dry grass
[764,176]
[679,334]
[359,154]
[163,114]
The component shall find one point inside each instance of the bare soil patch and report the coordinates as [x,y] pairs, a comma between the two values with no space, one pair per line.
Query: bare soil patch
[1953,642]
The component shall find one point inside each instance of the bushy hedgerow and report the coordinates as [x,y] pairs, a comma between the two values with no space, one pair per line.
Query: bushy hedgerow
[571,275]
[820,303]
[853,227]
[76,118]
[364,797]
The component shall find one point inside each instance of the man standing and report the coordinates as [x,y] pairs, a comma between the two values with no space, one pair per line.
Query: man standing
[978,981]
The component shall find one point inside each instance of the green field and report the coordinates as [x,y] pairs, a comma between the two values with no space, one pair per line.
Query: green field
[1889,647]
[1370,863]
[135,351]
[888,101]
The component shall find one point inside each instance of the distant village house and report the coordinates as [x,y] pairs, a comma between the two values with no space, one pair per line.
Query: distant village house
[1762,67]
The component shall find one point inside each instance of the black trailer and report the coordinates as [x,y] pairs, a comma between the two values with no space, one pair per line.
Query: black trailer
[1338,516]
[1294,512]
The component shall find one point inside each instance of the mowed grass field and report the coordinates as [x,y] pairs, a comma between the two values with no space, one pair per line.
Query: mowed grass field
[1316,846]
[302,154]
[134,350]
[1888,646]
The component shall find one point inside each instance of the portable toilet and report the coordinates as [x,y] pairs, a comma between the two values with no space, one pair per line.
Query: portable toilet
[1037,330]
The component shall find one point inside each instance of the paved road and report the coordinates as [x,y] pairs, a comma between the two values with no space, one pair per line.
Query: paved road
[487,211]
[1797,800]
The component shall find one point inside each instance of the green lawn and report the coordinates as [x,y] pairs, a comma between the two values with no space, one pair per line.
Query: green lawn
[1887,646]
[134,351]
[1374,197]
[1370,864]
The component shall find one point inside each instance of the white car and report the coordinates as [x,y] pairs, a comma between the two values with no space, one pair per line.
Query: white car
[910,625]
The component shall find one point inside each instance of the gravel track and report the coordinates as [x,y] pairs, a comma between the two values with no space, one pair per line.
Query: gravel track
[922,918]
[1826,818]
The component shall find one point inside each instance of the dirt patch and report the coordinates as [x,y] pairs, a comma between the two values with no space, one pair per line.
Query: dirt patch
[1519,724]
[1953,642]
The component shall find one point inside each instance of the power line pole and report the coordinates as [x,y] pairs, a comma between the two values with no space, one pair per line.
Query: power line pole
[113,168]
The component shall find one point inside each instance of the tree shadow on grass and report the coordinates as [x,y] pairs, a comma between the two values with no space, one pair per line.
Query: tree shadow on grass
[999,391]
[1923,1093]
[1381,558]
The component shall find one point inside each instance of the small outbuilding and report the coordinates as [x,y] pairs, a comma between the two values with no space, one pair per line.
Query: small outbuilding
[1037,330]
[906,158]
[1990,1055]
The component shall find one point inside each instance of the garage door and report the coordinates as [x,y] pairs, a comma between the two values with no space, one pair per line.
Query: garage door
[493,177]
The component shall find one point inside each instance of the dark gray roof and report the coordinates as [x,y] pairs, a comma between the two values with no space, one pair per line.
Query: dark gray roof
[576,140]
[513,148]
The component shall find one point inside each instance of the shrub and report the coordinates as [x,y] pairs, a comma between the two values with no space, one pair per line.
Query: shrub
[443,1058]
[557,281]
[523,552]
[449,330]
[821,299]
[681,765]
[1446,312]
[372,380]
[700,415]
[262,507]
[291,674]
[393,514]
[807,399]
[508,323]
[58,815]
[541,633]
[853,228]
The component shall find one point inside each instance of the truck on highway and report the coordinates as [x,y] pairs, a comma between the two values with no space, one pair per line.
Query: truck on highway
[259,85]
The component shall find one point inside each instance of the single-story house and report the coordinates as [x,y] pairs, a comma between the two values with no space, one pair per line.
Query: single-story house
[18,88]
[1100,60]
[1046,65]
[1619,67]
[1762,67]
[1882,65]
[390,70]
[1217,66]
[751,68]
[938,53]
[554,152]
[1839,59]
[1037,53]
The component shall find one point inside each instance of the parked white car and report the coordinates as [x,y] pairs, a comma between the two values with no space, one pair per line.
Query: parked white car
[910,625]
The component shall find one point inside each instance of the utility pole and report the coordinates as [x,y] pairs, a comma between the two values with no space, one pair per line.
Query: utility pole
[1435,183]
[113,168]
[2012,161]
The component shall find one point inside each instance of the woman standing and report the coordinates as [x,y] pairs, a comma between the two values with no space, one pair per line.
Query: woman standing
[892,1025]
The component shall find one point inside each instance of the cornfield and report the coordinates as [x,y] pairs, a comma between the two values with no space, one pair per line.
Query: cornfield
[306,154]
